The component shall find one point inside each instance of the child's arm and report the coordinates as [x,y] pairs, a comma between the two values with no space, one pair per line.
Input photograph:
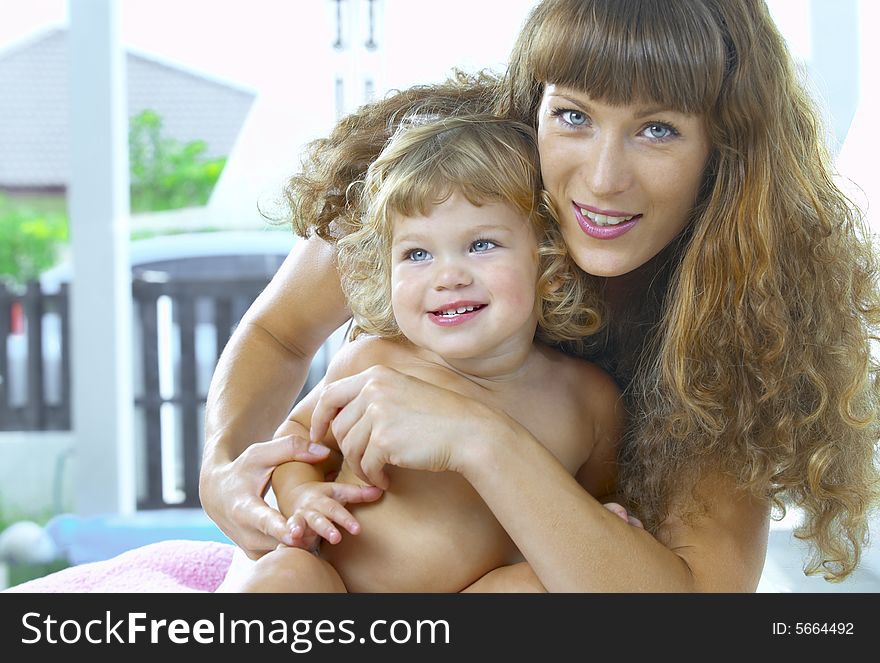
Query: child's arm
[288,476]
[310,502]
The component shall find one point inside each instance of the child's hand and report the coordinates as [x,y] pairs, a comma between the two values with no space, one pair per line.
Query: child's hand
[317,505]
[620,511]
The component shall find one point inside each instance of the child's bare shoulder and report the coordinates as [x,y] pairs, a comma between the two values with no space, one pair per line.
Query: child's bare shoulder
[364,352]
[581,380]
[593,414]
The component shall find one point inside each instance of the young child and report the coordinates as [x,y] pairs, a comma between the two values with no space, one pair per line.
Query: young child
[453,277]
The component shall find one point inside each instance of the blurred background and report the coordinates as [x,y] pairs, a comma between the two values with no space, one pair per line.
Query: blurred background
[144,146]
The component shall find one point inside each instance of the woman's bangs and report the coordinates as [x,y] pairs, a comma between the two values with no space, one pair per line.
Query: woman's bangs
[622,52]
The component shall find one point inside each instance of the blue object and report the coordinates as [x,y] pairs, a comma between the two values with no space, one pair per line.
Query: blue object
[82,539]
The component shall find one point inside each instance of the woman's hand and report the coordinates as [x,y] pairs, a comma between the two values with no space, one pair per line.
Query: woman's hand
[383,417]
[238,488]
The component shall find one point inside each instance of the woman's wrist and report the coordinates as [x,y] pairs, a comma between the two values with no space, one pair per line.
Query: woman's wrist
[495,436]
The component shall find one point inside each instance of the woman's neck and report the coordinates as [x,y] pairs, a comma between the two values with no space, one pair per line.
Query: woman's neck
[620,292]
[633,308]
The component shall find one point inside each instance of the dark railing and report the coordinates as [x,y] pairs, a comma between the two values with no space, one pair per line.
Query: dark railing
[190,307]
[34,359]
[180,329]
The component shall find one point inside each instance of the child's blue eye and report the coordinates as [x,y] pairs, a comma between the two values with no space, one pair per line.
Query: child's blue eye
[482,245]
[417,255]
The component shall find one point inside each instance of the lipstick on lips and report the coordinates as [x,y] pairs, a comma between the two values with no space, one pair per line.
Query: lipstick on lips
[603,230]
[456,313]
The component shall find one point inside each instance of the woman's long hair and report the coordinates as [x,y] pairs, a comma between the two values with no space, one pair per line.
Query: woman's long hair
[760,362]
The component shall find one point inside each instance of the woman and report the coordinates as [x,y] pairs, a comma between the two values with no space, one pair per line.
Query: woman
[688,174]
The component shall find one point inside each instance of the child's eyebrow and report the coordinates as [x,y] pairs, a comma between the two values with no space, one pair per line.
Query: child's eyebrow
[408,237]
[492,228]
[483,228]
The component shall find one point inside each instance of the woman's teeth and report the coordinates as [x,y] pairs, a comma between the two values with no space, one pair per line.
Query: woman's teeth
[603,220]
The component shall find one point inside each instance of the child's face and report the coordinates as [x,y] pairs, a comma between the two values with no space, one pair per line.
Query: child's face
[481,261]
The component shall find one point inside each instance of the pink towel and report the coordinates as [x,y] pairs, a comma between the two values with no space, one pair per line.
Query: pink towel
[166,566]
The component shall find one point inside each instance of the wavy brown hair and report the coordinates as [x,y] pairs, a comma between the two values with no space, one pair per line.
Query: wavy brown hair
[318,195]
[486,159]
[760,363]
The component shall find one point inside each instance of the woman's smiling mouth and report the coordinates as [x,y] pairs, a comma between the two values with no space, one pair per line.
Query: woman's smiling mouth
[601,224]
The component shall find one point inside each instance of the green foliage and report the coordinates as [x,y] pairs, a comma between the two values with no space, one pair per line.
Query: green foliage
[29,240]
[165,173]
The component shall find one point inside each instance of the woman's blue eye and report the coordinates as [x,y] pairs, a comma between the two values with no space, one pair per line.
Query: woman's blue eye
[573,117]
[659,131]
[482,245]
[418,255]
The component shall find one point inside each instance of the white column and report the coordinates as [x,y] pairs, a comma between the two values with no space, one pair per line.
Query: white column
[101,312]
[358,52]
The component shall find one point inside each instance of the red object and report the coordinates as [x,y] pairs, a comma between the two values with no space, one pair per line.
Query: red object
[16,322]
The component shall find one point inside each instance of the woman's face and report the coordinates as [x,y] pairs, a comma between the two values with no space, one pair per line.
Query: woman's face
[623,178]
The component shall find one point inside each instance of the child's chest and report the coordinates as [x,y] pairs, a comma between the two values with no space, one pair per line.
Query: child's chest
[548,411]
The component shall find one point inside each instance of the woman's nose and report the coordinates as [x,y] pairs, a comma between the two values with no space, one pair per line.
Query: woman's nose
[608,171]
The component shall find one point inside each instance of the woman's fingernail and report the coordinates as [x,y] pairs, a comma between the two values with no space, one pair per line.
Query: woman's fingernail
[316,448]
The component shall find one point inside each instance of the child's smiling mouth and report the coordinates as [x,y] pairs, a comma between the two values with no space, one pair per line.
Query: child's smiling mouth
[456,312]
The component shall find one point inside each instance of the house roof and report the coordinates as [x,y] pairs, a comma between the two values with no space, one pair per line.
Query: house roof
[35,108]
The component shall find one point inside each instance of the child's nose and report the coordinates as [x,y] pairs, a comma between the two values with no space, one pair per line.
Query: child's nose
[451,274]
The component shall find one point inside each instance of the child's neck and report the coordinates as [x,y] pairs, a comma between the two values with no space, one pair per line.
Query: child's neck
[505,363]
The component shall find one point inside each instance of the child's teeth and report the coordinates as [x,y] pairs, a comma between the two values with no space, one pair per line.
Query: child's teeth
[459,310]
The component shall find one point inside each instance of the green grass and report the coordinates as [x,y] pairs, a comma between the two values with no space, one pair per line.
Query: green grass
[19,573]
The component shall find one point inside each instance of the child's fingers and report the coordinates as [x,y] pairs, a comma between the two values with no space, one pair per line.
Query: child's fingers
[338,514]
[617,510]
[297,526]
[635,522]
[322,526]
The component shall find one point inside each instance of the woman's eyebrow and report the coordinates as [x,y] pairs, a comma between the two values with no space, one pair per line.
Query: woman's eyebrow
[571,100]
[638,113]
[645,111]
[650,110]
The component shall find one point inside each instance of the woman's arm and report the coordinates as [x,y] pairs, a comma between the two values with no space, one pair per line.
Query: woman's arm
[574,544]
[571,542]
[256,380]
